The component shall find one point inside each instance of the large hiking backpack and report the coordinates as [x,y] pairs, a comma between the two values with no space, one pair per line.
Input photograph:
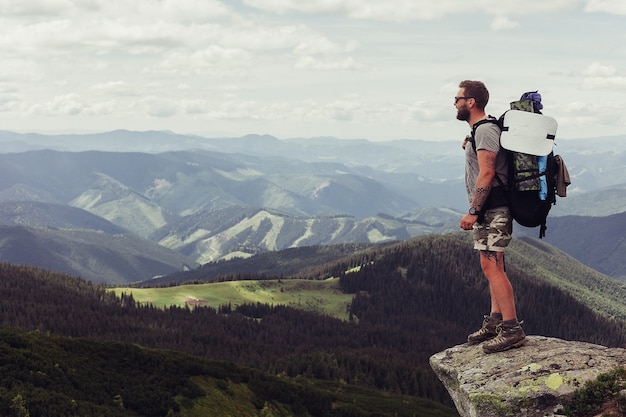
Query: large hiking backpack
[528,137]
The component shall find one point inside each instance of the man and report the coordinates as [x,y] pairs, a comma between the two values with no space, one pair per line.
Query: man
[488,217]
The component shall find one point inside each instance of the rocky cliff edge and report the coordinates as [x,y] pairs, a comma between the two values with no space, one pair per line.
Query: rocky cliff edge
[532,381]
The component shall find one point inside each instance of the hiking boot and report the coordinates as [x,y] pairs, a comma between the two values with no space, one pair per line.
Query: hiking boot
[508,337]
[488,331]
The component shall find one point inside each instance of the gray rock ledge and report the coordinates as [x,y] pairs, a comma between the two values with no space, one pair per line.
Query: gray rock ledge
[531,381]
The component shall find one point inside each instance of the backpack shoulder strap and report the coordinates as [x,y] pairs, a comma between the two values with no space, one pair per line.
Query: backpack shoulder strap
[489,119]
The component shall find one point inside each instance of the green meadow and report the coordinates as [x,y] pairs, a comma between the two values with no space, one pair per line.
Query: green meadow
[324,297]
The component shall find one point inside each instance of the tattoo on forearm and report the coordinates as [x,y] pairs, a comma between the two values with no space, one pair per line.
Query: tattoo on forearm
[480,197]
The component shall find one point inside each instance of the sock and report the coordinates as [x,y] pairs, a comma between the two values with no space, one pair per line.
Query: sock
[497,316]
[510,323]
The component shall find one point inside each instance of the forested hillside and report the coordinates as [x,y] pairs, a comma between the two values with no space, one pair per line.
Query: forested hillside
[43,375]
[411,300]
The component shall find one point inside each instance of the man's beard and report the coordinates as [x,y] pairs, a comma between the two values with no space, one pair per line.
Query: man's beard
[463,114]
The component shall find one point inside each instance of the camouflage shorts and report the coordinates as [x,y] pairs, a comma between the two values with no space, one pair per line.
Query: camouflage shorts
[494,234]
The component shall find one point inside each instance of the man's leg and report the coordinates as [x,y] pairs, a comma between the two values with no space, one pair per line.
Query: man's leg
[492,264]
[500,330]
[500,289]
[510,332]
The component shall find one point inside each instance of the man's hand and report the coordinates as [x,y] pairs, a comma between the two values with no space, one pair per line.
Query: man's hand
[467,138]
[467,222]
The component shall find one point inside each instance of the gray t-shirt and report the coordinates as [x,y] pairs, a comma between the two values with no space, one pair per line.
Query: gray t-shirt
[487,137]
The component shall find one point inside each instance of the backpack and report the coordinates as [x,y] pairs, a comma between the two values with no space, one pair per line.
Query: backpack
[531,187]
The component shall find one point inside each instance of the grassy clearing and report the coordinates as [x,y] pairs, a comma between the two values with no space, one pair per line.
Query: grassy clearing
[323,297]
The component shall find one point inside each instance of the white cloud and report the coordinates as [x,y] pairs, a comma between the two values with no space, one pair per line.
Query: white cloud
[603,77]
[68,104]
[199,61]
[104,108]
[588,116]
[112,87]
[608,6]
[407,10]
[390,10]
[597,69]
[160,108]
[423,111]
[9,100]
[17,71]
[503,23]
[604,83]
[195,107]
[322,45]
[34,8]
[194,10]
[312,63]
[527,7]
[345,109]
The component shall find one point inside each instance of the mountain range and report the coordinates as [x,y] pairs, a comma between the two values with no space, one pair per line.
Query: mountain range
[193,200]
[593,162]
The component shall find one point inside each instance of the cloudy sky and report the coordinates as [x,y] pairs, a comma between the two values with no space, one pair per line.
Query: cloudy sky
[374,69]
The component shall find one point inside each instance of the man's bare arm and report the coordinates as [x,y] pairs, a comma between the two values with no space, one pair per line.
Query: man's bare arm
[486,173]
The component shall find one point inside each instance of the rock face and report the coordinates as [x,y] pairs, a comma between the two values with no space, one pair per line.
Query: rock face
[532,381]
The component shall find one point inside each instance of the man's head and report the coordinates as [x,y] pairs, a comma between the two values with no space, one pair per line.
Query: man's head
[473,96]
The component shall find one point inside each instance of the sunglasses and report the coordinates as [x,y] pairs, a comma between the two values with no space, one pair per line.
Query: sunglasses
[456,99]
